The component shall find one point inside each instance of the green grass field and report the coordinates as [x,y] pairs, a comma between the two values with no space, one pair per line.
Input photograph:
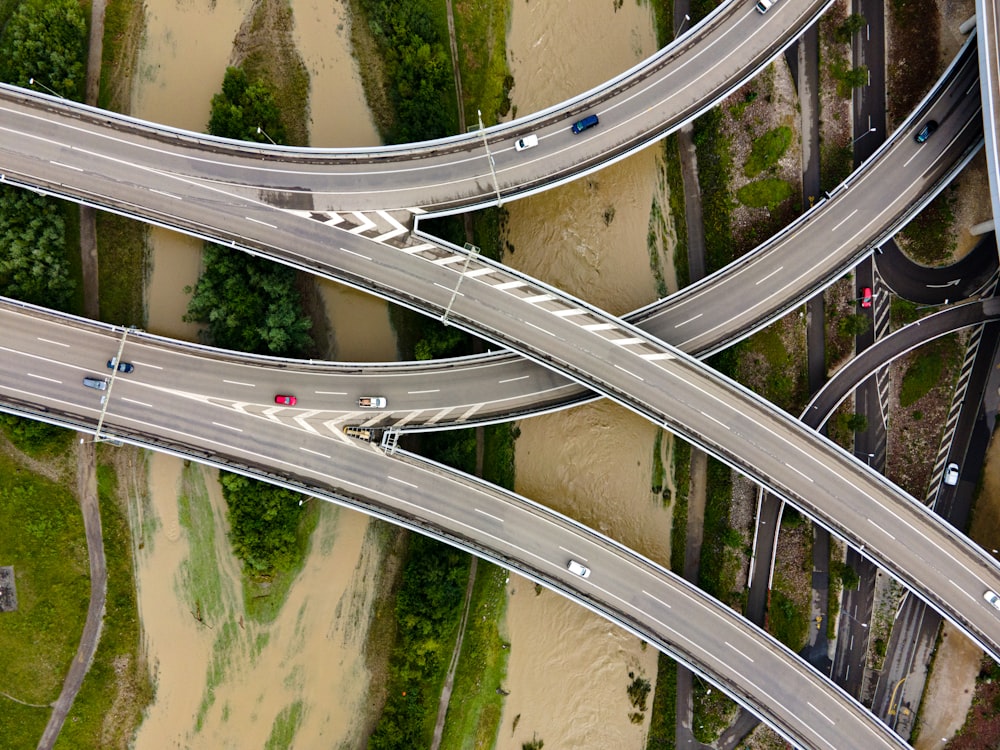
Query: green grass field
[49,556]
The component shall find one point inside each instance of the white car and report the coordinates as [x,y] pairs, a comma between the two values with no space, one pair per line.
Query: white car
[992,599]
[529,141]
[764,5]
[951,475]
[581,570]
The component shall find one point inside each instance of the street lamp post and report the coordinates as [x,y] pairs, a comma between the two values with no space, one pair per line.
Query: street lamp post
[870,130]
[489,156]
[683,21]
[36,82]
[261,131]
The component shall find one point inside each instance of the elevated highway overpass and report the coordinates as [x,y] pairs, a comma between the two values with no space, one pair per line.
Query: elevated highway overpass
[609,355]
[638,107]
[216,407]
[822,245]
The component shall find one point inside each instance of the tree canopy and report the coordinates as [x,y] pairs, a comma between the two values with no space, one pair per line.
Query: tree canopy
[33,262]
[249,304]
[263,521]
[245,110]
[46,40]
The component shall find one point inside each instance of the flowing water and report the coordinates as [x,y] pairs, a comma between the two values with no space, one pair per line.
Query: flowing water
[340,116]
[569,668]
[568,674]
[570,696]
[215,691]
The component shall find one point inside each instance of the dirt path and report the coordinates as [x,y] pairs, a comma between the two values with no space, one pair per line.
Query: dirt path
[449,681]
[88,216]
[87,490]
[86,458]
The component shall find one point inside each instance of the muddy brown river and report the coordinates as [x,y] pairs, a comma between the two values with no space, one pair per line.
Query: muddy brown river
[568,668]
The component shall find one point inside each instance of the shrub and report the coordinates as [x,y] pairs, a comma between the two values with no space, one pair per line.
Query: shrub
[768,150]
[767,193]
[851,26]
[923,374]
[857,422]
[854,325]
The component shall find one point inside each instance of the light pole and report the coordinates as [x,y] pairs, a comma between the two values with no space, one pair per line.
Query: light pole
[870,130]
[261,131]
[684,21]
[36,82]
[489,156]
[471,251]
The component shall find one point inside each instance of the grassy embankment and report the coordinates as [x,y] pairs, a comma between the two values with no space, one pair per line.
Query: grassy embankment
[121,243]
[117,687]
[52,561]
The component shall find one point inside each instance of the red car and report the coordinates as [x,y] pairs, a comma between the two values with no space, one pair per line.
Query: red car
[285,400]
[866,297]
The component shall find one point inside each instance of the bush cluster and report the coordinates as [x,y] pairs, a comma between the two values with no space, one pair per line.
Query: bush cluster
[263,521]
[45,40]
[427,608]
[417,68]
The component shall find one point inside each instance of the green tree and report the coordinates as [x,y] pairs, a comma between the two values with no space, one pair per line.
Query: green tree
[249,304]
[46,40]
[851,25]
[245,110]
[263,521]
[33,260]
[438,341]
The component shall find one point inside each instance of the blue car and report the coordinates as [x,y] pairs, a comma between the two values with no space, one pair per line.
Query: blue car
[926,131]
[122,366]
[586,123]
